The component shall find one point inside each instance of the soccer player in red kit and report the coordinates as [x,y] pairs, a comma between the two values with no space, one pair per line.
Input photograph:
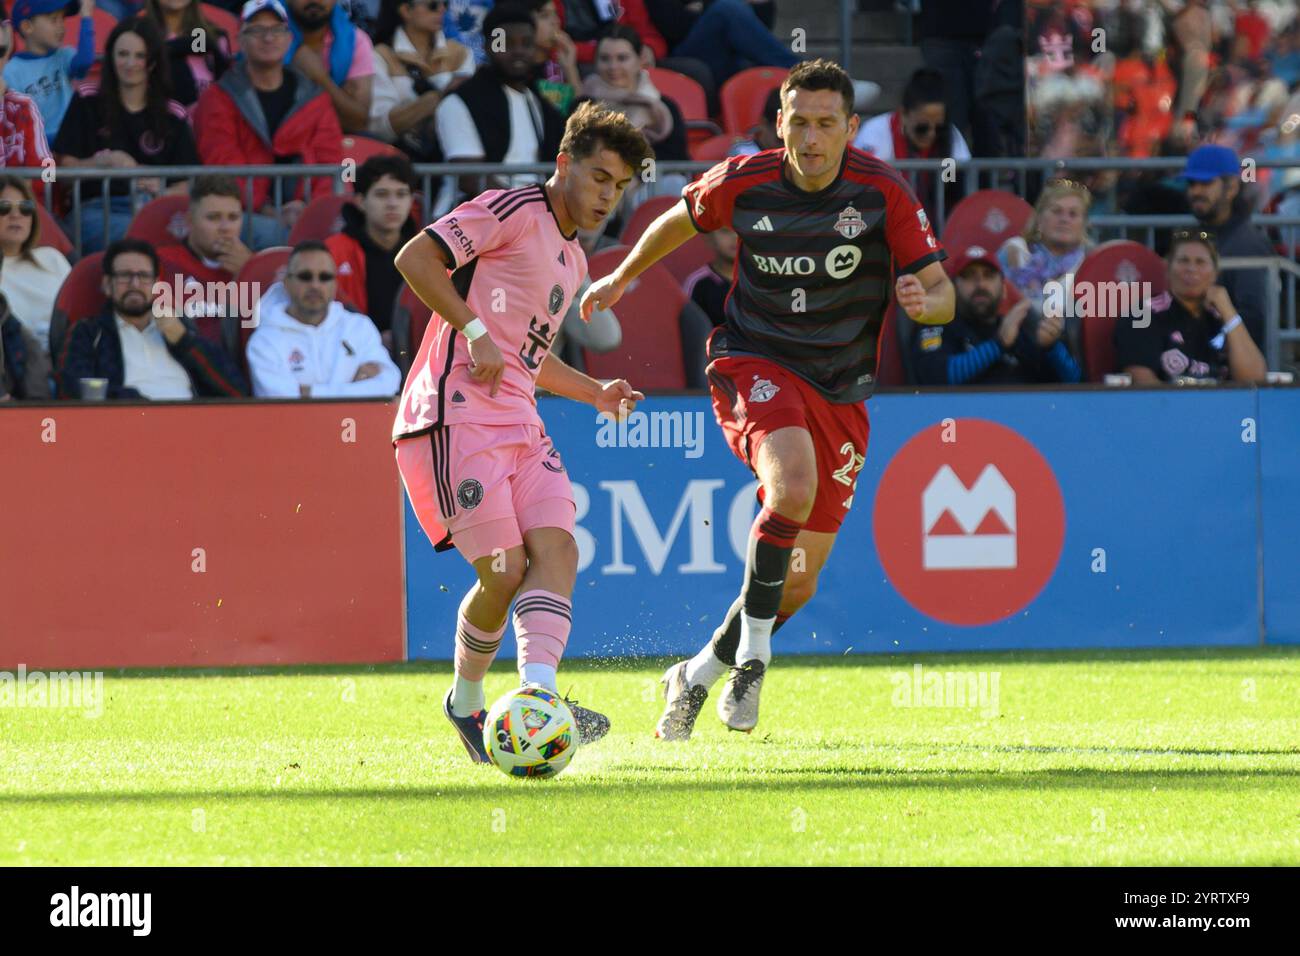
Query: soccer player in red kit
[480,471]
[823,230]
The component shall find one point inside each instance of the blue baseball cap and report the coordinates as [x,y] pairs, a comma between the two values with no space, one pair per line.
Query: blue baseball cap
[26,9]
[253,7]
[1210,162]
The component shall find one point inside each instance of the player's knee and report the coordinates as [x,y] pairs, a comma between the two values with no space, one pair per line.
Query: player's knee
[794,495]
[502,582]
[557,551]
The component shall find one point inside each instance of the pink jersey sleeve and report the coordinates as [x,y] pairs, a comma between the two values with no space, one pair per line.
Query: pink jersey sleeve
[471,229]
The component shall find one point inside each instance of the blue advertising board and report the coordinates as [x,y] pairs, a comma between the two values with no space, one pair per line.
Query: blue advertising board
[982,520]
[1279,499]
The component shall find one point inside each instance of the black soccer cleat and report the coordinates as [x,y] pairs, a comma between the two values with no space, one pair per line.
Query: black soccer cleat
[469,729]
[591,725]
[683,704]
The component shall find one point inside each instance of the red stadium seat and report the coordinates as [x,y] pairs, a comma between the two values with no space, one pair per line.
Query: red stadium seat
[714,148]
[690,99]
[263,269]
[988,218]
[361,148]
[223,20]
[410,319]
[650,355]
[161,221]
[683,260]
[643,215]
[322,218]
[742,97]
[80,297]
[104,23]
[52,233]
[1118,261]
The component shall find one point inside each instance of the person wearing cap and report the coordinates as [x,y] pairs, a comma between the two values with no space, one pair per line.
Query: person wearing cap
[262,112]
[1194,330]
[979,347]
[45,68]
[1217,200]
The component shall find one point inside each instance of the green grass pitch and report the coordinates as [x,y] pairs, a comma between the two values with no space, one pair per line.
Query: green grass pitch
[1161,757]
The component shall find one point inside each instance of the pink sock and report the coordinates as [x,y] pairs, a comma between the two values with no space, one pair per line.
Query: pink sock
[542,622]
[475,647]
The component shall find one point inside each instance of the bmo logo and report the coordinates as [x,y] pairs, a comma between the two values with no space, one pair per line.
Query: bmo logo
[969,522]
[787,266]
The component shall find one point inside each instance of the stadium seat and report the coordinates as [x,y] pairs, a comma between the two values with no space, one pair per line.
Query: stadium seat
[650,355]
[410,319]
[742,97]
[690,99]
[80,297]
[1120,260]
[714,148]
[361,148]
[643,215]
[52,233]
[988,218]
[263,269]
[223,20]
[683,260]
[161,221]
[322,218]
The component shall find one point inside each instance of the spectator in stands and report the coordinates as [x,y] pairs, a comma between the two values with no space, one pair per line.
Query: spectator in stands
[307,345]
[199,53]
[621,84]
[32,274]
[1054,242]
[45,69]
[416,64]
[1192,33]
[1214,192]
[498,116]
[128,120]
[22,131]
[263,112]
[24,366]
[339,58]
[980,348]
[143,351]
[556,57]
[764,135]
[377,223]
[707,286]
[202,269]
[1194,329]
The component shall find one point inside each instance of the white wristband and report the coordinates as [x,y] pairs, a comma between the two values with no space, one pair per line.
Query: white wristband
[474,329]
[1231,324]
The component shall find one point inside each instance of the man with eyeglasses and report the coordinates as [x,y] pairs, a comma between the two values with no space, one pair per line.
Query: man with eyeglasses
[307,345]
[262,112]
[145,352]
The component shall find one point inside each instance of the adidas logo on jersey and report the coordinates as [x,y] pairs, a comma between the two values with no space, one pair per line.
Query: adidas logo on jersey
[457,397]
[561,257]
[763,225]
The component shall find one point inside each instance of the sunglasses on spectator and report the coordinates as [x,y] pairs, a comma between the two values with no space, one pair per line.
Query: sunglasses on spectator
[925,129]
[431,4]
[306,276]
[25,206]
[129,278]
[265,33]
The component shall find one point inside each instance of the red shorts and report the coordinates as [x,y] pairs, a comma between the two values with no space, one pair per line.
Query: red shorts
[753,397]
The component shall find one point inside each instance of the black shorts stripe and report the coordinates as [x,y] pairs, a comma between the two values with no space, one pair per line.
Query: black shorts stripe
[440,446]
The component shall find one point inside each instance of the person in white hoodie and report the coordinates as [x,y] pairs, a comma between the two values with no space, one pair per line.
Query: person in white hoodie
[309,346]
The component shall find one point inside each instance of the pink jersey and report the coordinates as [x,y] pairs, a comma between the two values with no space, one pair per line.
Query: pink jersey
[518,273]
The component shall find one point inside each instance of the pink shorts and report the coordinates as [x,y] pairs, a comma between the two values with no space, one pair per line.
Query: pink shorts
[485,485]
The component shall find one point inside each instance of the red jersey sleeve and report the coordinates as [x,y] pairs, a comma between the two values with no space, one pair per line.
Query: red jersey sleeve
[712,197]
[907,229]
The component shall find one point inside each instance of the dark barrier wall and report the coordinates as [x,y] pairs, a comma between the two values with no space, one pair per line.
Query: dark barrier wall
[1032,519]
[223,534]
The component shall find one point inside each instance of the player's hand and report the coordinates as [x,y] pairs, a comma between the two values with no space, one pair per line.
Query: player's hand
[485,363]
[1050,328]
[911,295]
[602,294]
[1217,299]
[1011,322]
[618,399]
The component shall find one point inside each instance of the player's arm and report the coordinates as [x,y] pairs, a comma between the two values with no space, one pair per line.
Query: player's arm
[616,397]
[665,234]
[424,262]
[927,295]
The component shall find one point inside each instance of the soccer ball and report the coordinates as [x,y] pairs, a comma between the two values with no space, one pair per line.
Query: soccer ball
[530,732]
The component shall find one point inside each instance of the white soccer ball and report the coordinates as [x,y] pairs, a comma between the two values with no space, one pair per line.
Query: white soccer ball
[530,732]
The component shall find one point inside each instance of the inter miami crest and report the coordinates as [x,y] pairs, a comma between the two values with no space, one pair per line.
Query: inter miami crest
[850,224]
[552,462]
[556,300]
[469,494]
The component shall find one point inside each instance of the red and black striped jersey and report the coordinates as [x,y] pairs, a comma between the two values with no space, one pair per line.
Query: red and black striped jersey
[814,271]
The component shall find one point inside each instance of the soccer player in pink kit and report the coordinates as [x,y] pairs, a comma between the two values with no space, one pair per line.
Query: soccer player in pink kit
[474,456]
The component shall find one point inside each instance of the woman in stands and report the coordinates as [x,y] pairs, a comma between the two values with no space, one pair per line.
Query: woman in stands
[417,65]
[31,274]
[620,83]
[1194,331]
[194,66]
[127,120]
[557,58]
[1051,248]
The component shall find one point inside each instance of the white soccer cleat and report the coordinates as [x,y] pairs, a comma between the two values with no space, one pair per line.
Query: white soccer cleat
[738,705]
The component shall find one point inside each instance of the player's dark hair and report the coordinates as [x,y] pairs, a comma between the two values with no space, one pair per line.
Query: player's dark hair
[214,184]
[503,14]
[924,86]
[771,105]
[621,31]
[377,167]
[592,127]
[820,75]
[310,245]
[122,247]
